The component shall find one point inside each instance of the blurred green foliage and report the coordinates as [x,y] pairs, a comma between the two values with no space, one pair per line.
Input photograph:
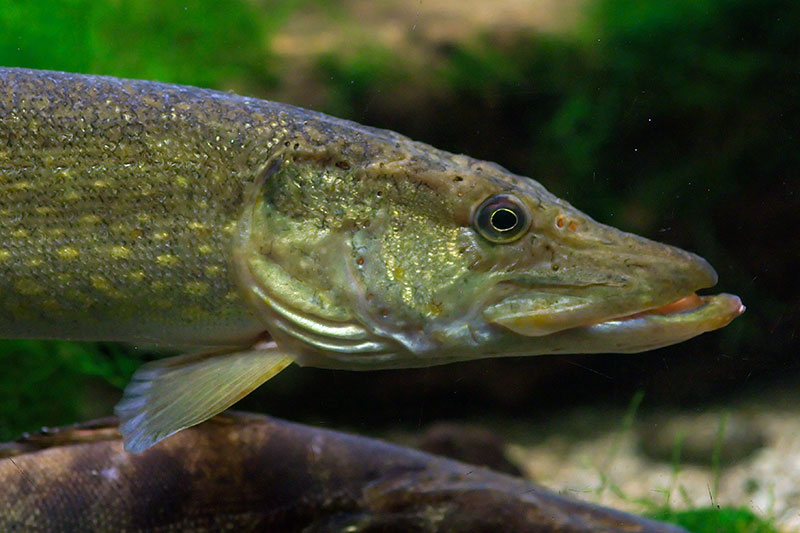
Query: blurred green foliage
[716,520]
[45,382]
[209,44]
[351,79]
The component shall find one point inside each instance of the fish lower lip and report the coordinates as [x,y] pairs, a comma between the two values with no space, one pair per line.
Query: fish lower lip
[710,312]
[657,327]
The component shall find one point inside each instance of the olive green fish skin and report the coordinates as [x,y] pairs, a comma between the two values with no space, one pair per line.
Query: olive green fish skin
[117,200]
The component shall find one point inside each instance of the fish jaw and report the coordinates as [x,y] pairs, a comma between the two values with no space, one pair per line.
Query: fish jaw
[663,326]
[636,333]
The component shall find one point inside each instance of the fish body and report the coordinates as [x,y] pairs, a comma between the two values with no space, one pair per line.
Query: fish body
[259,234]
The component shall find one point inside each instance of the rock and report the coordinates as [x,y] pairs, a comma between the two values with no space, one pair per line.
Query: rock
[697,438]
[245,472]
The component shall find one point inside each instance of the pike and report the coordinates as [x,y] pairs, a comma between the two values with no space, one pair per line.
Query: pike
[253,234]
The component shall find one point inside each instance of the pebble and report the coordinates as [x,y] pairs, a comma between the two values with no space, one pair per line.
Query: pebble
[468,443]
[701,438]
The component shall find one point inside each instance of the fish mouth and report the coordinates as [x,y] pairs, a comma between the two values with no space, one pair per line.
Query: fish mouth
[684,306]
[654,327]
[675,322]
[713,311]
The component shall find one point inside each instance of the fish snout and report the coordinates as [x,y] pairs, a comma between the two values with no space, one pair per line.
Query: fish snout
[701,271]
[671,272]
[606,279]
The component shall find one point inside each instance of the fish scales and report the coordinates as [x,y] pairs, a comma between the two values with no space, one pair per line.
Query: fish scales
[121,196]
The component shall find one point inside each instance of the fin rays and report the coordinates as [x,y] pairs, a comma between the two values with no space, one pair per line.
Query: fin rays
[169,395]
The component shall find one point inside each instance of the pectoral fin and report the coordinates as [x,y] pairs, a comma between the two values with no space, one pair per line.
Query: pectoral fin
[169,395]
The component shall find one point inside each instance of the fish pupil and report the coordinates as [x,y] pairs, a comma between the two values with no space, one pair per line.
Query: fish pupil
[504,219]
[501,219]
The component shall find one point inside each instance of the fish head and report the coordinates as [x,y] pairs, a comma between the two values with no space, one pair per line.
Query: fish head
[560,282]
[422,257]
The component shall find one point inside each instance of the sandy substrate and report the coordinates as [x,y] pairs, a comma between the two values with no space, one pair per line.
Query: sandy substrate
[610,468]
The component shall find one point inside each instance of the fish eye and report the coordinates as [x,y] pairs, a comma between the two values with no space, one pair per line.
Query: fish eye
[501,218]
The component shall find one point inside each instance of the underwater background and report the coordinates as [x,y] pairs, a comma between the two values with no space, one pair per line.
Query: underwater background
[678,121]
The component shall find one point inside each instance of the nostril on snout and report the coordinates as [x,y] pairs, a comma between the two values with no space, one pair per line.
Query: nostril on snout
[563,221]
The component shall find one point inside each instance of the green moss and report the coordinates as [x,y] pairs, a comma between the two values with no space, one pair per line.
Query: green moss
[716,520]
